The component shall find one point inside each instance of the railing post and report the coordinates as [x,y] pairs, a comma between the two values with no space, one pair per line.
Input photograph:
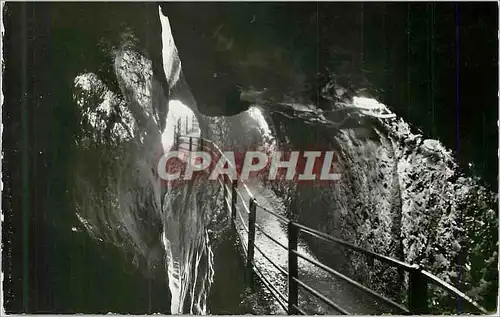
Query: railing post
[225,194]
[233,199]
[293,292]
[177,130]
[417,292]
[251,241]
[177,133]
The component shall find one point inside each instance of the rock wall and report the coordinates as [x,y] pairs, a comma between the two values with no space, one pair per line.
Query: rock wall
[403,196]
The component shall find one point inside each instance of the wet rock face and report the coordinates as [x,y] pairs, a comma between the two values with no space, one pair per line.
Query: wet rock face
[400,195]
[117,196]
[395,182]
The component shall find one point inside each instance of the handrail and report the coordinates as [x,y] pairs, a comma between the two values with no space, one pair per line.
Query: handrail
[297,308]
[269,237]
[222,153]
[242,220]
[322,297]
[417,293]
[452,289]
[245,250]
[380,257]
[227,202]
[280,217]
[353,283]
[247,210]
[280,297]
[280,269]
[245,187]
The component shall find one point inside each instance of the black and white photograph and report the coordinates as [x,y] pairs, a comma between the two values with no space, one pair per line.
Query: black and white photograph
[249,158]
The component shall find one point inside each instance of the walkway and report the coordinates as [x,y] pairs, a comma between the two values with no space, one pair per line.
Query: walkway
[333,288]
[321,289]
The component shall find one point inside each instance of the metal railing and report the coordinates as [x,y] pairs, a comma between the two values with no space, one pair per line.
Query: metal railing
[419,279]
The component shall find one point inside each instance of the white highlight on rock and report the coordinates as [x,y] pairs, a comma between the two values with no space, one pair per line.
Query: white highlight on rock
[248,165]
[372,108]
[98,115]
[174,274]
[257,115]
[171,61]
